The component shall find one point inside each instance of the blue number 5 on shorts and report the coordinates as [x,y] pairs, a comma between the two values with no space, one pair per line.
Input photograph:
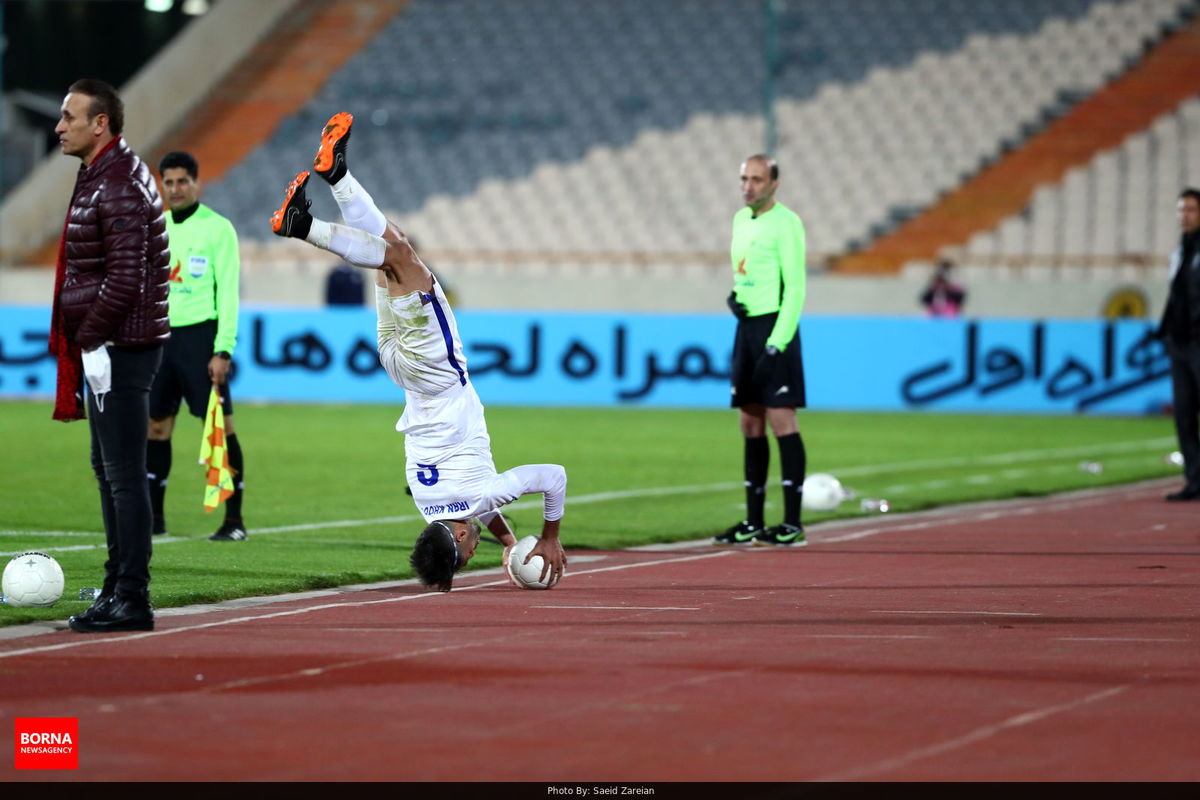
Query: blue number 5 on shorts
[431,478]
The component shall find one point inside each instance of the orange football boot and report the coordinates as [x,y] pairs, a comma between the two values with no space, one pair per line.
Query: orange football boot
[330,161]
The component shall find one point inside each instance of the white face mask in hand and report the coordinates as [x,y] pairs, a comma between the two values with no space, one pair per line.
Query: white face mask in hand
[97,368]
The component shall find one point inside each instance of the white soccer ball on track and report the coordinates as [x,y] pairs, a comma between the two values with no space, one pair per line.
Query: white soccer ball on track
[32,580]
[527,576]
[822,492]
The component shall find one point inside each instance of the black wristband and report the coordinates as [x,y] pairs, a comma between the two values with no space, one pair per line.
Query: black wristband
[224,354]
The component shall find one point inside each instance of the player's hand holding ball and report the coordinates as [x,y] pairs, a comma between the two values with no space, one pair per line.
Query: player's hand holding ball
[534,563]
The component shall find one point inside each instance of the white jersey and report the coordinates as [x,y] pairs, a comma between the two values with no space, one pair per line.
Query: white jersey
[447,449]
[420,348]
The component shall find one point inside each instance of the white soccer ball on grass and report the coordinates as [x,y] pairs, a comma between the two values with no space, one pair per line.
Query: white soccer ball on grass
[822,492]
[32,580]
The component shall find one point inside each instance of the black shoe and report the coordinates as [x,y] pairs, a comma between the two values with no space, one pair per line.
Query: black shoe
[158,526]
[1186,493]
[742,533]
[121,613]
[230,532]
[784,535]
[292,218]
[330,161]
[97,605]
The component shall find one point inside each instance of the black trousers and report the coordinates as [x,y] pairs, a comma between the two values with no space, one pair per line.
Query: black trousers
[1185,388]
[120,422]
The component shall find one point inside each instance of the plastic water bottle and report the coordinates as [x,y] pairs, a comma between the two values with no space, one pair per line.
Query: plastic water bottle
[1092,467]
[874,504]
[89,593]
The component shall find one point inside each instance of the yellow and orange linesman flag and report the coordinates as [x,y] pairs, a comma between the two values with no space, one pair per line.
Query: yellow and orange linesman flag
[219,483]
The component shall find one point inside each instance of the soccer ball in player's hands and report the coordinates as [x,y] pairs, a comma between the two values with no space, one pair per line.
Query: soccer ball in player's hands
[527,576]
[33,580]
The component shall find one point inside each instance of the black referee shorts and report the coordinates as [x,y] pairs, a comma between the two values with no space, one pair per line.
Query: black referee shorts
[184,373]
[777,383]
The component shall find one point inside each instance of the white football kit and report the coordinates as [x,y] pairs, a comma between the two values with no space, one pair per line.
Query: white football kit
[447,450]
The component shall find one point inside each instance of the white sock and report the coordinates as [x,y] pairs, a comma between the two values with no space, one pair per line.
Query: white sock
[357,247]
[358,209]
[319,234]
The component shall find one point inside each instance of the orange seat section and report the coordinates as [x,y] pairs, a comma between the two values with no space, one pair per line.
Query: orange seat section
[1161,81]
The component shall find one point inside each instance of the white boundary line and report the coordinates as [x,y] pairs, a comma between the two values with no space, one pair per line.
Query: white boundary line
[990,613]
[626,608]
[82,642]
[976,735]
[908,521]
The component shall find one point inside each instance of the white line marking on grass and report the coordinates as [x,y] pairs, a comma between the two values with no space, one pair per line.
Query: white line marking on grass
[51,533]
[976,735]
[100,639]
[1008,474]
[68,548]
[995,613]
[627,608]
[666,491]
[1011,458]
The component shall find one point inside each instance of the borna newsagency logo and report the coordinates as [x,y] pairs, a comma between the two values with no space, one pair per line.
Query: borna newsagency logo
[46,743]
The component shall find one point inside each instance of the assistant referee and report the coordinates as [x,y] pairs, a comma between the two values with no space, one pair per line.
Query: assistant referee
[203,311]
[767,254]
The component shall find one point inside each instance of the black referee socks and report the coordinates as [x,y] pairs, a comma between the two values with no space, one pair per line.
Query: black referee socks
[757,460]
[794,462]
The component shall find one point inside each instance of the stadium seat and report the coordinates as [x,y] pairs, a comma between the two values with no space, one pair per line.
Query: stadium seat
[478,110]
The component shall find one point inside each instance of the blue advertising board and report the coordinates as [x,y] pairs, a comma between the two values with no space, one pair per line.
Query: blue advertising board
[681,360]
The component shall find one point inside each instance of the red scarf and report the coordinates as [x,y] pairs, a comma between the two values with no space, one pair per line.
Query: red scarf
[68,400]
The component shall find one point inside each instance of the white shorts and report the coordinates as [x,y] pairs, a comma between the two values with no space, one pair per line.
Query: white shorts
[461,487]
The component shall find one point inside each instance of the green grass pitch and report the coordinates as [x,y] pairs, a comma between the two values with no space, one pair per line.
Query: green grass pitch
[325,501]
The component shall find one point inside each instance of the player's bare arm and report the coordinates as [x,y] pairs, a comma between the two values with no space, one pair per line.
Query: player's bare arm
[551,550]
[402,271]
[498,527]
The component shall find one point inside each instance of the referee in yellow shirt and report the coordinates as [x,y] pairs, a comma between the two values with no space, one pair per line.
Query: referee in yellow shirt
[203,311]
[767,254]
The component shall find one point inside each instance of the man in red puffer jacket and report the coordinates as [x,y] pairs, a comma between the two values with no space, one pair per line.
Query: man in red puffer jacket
[108,327]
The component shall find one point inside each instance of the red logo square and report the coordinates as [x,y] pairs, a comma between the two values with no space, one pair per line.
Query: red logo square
[46,743]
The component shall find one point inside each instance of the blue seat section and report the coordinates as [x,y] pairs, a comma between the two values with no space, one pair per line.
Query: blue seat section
[454,92]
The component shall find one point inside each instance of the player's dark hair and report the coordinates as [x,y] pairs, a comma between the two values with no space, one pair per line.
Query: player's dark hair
[1190,192]
[105,100]
[178,159]
[435,556]
[770,162]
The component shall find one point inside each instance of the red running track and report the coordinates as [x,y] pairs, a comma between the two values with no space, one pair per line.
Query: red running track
[1036,640]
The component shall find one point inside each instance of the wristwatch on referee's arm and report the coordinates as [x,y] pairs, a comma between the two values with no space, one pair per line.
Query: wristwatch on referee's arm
[223,354]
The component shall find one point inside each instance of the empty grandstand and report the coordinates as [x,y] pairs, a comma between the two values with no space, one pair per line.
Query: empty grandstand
[584,141]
